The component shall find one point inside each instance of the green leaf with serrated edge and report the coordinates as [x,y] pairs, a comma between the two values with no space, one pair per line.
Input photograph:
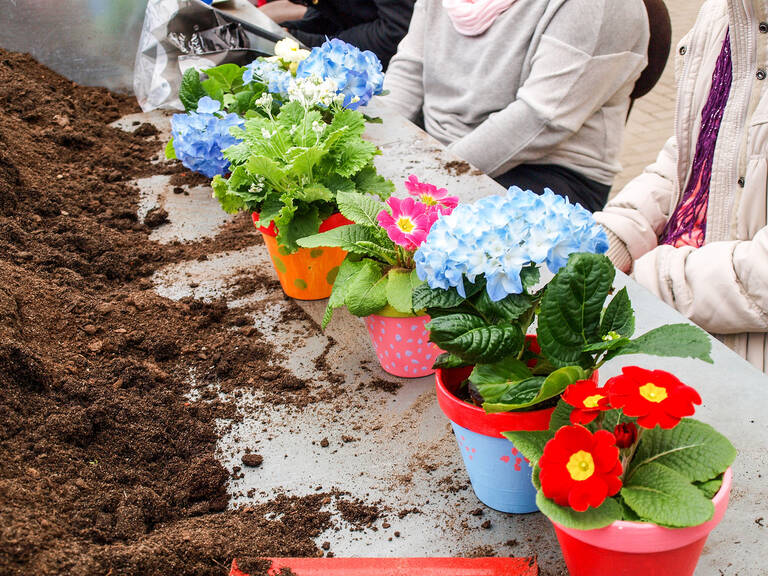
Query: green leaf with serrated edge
[399,290]
[348,269]
[360,208]
[710,487]
[270,170]
[190,89]
[665,497]
[229,75]
[521,396]
[472,339]
[314,193]
[375,250]
[493,380]
[618,316]
[448,360]
[170,151]
[672,340]
[302,161]
[367,290]
[230,202]
[426,297]
[368,181]
[353,157]
[530,442]
[692,448]
[354,238]
[294,226]
[529,276]
[510,308]
[607,513]
[571,308]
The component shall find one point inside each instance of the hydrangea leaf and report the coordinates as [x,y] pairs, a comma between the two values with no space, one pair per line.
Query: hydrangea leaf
[676,340]
[571,308]
[510,308]
[448,360]
[666,497]
[618,316]
[367,290]
[426,297]
[190,90]
[399,291]
[348,269]
[493,380]
[535,390]
[530,442]
[360,208]
[229,76]
[692,448]
[472,339]
[368,181]
[607,513]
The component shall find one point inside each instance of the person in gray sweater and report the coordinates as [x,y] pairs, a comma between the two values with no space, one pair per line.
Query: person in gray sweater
[534,93]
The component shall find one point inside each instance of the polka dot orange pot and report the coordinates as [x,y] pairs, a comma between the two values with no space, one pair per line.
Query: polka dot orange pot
[308,273]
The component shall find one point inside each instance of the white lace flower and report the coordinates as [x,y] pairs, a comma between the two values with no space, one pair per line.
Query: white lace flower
[288,50]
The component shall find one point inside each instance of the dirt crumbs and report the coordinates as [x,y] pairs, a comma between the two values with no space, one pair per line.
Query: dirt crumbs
[107,468]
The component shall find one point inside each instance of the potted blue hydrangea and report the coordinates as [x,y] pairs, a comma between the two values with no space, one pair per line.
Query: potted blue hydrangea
[482,265]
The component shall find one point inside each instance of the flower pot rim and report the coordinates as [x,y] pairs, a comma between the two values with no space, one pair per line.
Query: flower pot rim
[335,220]
[389,312]
[646,537]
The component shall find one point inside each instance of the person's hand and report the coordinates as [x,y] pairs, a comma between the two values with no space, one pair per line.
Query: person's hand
[282,10]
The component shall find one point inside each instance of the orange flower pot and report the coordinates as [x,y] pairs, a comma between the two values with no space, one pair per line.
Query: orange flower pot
[308,273]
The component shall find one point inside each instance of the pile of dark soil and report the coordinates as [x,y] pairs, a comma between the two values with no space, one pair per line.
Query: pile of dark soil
[105,466]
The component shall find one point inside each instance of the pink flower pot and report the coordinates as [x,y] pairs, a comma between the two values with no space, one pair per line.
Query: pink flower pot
[402,345]
[639,548]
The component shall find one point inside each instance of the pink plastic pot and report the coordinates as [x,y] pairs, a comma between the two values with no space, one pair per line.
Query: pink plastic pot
[638,548]
[402,344]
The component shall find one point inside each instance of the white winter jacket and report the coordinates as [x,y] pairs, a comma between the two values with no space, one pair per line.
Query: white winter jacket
[723,285]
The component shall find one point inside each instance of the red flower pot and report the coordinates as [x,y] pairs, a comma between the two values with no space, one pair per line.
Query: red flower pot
[639,548]
[308,273]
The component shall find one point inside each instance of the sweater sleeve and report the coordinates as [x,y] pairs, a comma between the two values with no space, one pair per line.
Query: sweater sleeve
[721,286]
[380,36]
[404,78]
[590,51]
[638,214]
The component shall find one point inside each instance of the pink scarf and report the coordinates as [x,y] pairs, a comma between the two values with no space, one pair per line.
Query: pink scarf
[473,17]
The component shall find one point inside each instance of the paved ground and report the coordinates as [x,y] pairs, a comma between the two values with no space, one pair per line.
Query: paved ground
[652,117]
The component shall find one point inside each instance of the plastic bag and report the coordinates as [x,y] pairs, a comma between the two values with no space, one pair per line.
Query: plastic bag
[179,34]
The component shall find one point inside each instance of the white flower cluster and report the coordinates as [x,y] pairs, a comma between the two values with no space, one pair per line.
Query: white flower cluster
[288,50]
[314,90]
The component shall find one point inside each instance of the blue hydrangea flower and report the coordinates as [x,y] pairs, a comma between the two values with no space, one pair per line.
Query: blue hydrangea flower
[199,137]
[358,74]
[497,236]
[270,73]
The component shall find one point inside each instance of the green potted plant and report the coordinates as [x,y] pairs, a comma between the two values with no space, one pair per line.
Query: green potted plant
[631,485]
[484,294]
[377,278]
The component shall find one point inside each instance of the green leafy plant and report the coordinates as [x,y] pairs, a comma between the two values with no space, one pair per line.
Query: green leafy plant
[378,273]
[626,452]
[289,167]
[578,330]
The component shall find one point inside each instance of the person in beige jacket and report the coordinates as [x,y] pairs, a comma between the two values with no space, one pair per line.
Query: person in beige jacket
[692,227]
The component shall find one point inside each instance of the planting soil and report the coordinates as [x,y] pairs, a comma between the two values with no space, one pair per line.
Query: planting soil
[107,468]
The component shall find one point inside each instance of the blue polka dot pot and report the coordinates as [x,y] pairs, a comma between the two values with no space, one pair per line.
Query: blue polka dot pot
[402,345]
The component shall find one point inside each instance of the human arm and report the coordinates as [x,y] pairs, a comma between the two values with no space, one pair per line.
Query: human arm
[589,52]
[635,218]
[283,10]
[404,78]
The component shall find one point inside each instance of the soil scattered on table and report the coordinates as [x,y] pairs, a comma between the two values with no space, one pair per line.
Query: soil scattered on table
[107,467]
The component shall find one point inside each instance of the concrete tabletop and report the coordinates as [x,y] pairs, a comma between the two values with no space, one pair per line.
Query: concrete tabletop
[397,450]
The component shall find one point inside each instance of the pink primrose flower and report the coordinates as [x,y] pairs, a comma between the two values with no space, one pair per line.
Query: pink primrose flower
[409,222]
[435,198]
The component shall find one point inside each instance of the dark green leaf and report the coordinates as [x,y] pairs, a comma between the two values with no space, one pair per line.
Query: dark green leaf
[470,338]
[571,308]
[447,360]
[426,297]
[618,316]
[190,90]
[348,270]
[535,390]
[608,512]
[510,308]
[676,340]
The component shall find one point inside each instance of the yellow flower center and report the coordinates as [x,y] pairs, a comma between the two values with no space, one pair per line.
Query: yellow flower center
[427,199]
[405,224]
[592,401]
[653,393]
[581,465]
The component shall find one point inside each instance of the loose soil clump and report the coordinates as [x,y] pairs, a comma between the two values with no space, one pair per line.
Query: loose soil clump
[107,468]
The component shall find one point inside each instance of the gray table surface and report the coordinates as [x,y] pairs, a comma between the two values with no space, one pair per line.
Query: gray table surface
[405,455]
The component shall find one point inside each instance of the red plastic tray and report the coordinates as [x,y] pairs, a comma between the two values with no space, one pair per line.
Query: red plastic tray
[402,566]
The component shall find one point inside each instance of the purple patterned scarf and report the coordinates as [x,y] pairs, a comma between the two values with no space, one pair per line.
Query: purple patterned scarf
[696,196]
